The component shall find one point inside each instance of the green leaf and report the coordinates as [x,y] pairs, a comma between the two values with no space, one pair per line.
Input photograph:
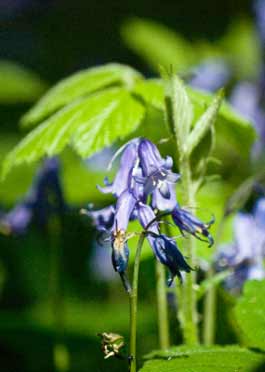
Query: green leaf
[181,108]
[204,359]
[203,125]
[18,182]
[243,192]
[158,45]
[18,84]
[250,311]
[234,135]
[88,125]
[79,85]
[152,92]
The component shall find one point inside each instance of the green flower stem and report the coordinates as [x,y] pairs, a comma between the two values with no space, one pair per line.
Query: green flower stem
[60,352]
[188,317]
[209,311]
[133,295]
[162,309]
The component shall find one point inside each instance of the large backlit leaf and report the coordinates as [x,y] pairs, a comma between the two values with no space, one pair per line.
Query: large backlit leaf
[250,312]
[79,85]
[18,84]
[242,48]
[204,359]
[88,125]
[157,44]
[152,92]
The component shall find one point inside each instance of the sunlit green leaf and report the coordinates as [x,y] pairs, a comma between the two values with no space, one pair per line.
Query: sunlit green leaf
[88,125]
[152,92]
[204,124]
[204,359]
[250,312]
[79,85]
[18,182]
[18,84]
[180,106]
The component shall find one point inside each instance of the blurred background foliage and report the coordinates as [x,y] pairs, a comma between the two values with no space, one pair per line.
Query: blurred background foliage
[40,43]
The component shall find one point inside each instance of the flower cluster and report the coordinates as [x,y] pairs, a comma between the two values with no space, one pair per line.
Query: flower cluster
[43,199]
[246,254]
[144,187]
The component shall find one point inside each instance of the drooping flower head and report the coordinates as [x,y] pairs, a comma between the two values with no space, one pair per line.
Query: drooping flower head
[144,188]
[187,222]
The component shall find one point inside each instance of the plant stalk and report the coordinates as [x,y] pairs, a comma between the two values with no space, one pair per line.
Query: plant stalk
[162,307]
[133,296]
[209,311]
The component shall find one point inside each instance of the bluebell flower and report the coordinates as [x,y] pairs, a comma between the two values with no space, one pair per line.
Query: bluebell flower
[189,223]
[44,199]
[103,218]
[211,75]
[165,248]
[158,178]
[246,254]
[144,187]
[17,220]
[120,252]
[123,177]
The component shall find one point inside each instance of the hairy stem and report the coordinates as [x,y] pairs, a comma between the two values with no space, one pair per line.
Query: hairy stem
[133,295]
[162,308]
[209,311]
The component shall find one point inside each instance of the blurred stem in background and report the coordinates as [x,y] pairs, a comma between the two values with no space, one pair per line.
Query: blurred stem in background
[162,307]
[209,310]
[2,277]
[133,296]
[189,316]
[60,352]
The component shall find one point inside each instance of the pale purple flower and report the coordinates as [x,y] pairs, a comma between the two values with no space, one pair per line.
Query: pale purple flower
[259,9]
[211,75]
[44,199]
[103,218]
[123,177]
[246,254]
[245,99]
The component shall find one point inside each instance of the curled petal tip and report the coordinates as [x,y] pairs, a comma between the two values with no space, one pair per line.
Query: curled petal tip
[211,241]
